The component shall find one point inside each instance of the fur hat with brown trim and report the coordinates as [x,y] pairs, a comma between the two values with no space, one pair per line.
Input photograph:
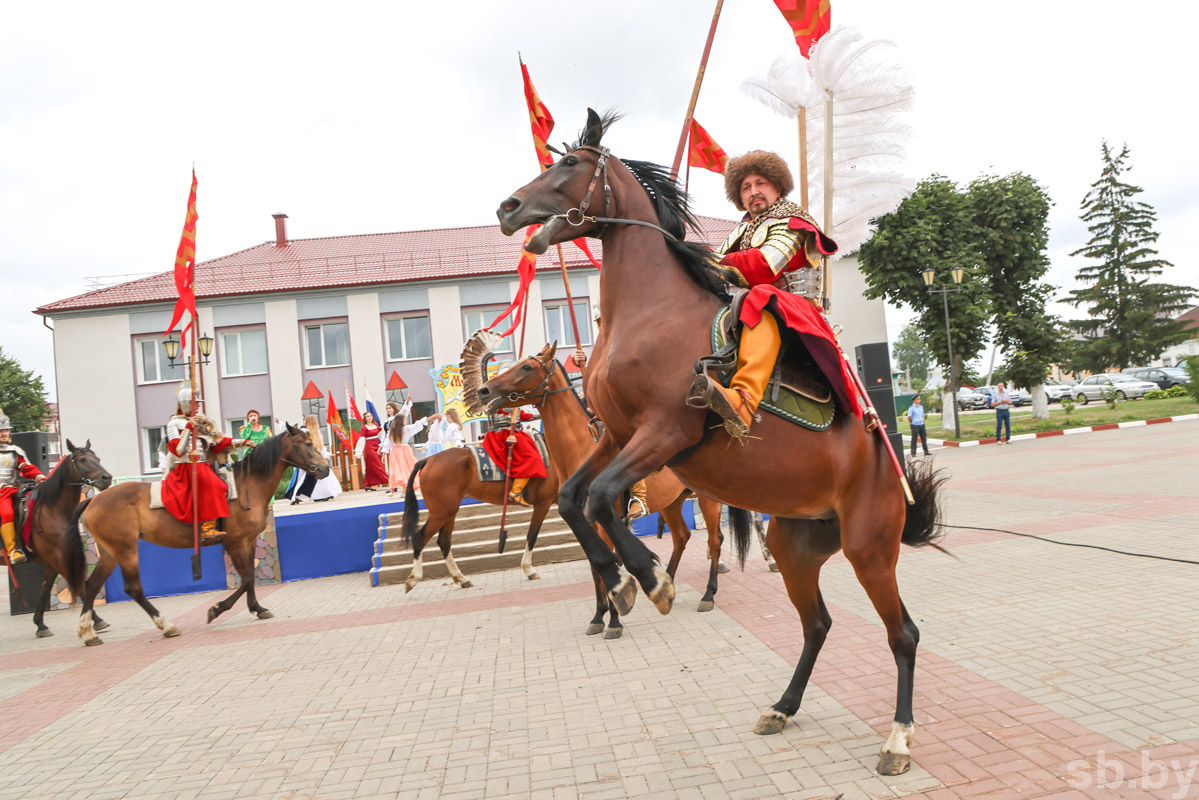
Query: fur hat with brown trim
[756,162]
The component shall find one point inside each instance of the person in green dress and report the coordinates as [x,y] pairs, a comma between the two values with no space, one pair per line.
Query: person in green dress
[254,430]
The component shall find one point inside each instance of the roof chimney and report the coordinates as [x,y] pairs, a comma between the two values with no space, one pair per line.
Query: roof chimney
[280,230]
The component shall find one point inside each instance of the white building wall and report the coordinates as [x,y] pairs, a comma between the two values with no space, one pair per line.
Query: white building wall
[211,373]
[445,325]
[862,321]
[366,345]
[535,328]
[283,360]
[94,365]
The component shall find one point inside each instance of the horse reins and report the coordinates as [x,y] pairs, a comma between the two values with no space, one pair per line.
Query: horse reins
[601,168]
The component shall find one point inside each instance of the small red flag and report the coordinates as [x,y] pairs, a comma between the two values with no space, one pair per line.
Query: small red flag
[540,119]
[525,268]
[185,270]
[355,417]
[334,420]
[703,152]
[395,382]
[809,20]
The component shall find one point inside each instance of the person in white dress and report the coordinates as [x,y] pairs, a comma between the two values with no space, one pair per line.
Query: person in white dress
[309,489]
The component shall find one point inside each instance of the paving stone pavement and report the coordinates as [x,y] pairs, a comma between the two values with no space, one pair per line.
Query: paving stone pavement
[1044,670]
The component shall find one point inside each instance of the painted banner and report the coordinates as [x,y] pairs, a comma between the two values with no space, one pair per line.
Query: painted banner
[448,382]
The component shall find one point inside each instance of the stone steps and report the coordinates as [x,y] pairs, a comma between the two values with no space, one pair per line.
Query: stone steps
[475,544]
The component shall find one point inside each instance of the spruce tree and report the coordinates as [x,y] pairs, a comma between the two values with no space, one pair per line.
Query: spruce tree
[1131,318]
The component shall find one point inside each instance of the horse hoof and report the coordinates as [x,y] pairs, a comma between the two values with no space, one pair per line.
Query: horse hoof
[264,614]
[466,584]
[409,585]
[533,576]
[894,763]
[663,594]
[721,567]
[770,722]
[773,566]
[102,626]
[613,633]
[170,632]
[44,632]
[624,595]
[705,605]
[93,642]
[594,628]
[213,613]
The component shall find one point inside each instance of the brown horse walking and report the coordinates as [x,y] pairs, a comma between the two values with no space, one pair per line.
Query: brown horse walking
[450,476]
[826,491]
[49,541]
[119,517]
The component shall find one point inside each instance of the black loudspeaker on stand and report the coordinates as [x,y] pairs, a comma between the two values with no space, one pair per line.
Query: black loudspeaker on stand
[874,367]
[36,445]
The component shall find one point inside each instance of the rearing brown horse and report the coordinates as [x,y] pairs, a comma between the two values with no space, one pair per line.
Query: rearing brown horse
[119,517]
[826,491]
[62,554]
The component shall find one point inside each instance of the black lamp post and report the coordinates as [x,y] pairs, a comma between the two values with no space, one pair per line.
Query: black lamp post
[928,276]
[170,346]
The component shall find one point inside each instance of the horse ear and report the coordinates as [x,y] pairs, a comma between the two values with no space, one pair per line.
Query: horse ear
[70,446]
[291,428]
[594,130]
[553,348]
[87,445]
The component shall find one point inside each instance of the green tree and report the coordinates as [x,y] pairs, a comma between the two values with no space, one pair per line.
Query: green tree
[912,354]
[931,229]
[1130,316]
[1011,229]
[22,395]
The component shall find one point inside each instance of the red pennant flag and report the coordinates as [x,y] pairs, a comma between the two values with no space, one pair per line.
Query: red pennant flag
[355,417]
[334,420]
[525,269]
[809,20]
[395,382]
[540,119]
[703,152]
[185,270]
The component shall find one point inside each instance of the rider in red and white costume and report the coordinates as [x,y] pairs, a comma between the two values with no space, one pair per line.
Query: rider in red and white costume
[526,458]
[13,465]
[182,449]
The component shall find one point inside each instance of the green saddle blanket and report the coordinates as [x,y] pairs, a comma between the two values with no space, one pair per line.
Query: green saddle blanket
[815,413]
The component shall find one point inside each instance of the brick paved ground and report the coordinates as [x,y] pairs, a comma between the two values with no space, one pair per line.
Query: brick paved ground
[1043,669]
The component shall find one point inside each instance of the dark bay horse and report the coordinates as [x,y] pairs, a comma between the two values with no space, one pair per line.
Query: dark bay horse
[119,517]
[49,541]
[826,491]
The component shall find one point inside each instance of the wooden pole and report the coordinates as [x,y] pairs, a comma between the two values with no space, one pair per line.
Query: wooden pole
[803,157]
[699,79]
[194,446]
[827,278]
[579,355]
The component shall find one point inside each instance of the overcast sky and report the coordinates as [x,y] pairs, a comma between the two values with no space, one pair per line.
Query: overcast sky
[374,117]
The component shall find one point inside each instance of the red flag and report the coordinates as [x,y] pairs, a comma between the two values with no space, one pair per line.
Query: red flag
[185,270]
[703,152]
[355,417]
[809,20]
[582,245]
[540,119]
[334,420]
[525,269]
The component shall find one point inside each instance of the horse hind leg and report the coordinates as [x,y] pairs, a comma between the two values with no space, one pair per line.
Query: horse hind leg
[444,541]
[801,547]
[133,588]
[417,573]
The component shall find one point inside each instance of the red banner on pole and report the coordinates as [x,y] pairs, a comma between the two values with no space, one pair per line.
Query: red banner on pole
[809,20]
[540,119]
[334,420]
[185,270]
[703,152]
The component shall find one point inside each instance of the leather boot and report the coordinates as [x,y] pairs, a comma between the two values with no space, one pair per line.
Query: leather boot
[516,493]
[738,404]
[638,506]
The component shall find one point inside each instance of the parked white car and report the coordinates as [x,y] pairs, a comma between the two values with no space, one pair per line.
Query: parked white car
[1056,391]
[1126,386]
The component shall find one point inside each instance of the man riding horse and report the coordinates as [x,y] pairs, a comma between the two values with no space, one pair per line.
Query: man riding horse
[776,253]
[526,458]
[185,437]
[13,465]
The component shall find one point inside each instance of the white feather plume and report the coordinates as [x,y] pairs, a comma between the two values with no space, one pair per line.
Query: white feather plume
[870,93]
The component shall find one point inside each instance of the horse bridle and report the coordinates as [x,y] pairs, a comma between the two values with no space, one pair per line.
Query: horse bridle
[601,168]
[541,388]
[75,468]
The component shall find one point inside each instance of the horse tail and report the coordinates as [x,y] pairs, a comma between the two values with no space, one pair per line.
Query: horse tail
[76,561]
[742,523]
[922,526]
[411,507]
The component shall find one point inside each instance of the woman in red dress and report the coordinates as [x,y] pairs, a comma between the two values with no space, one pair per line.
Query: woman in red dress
[375,474]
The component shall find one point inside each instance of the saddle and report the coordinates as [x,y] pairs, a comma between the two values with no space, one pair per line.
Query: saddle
[798,391]
[488,471]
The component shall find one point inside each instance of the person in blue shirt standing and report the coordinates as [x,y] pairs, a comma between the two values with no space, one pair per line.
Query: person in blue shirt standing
[916,418]
[1001,401]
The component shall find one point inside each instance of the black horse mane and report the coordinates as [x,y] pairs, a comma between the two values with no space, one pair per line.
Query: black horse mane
[49,489]
[673,207]
[260,461]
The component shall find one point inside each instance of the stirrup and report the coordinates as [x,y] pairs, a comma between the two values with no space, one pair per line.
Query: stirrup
[637,508]
[705,393]
[519,499]
[17,557]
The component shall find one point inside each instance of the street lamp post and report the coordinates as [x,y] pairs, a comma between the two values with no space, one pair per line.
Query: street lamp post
[928,276]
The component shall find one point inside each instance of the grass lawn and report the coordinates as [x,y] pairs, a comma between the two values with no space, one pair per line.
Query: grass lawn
[982,425]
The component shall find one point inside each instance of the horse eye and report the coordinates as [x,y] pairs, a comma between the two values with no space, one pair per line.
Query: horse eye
[527,368]
[569,161]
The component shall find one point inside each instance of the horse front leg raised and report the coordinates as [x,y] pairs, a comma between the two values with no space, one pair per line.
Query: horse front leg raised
[801,547]
[572,502]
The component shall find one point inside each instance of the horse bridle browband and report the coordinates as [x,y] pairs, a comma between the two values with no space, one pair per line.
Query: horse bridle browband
[601,168]
[541,388]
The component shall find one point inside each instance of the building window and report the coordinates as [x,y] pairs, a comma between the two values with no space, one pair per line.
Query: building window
[557,324]
[477,319]
[408,337]
[244,352]
[234,425]
[154,441]
[327,344]
[153,365]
